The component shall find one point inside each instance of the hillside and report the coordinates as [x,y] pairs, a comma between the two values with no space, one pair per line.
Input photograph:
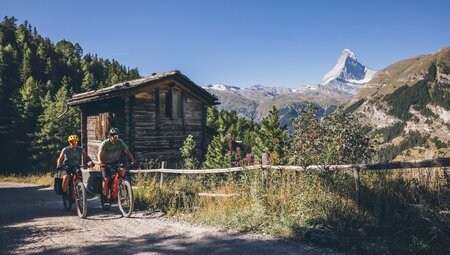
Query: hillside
[408,106]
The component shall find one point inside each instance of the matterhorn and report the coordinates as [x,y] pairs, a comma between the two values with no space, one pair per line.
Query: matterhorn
[348,75]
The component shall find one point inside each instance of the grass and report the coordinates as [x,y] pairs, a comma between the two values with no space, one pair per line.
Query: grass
[45,179]
[402,211]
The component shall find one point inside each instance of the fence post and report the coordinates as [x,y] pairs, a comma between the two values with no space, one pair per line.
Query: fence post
[163,165]
[357,185]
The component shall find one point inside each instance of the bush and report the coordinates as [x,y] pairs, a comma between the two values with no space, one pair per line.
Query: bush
[337,139]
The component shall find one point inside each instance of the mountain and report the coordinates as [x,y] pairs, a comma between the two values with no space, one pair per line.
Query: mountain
[407,104]
[348,75]
[339,86]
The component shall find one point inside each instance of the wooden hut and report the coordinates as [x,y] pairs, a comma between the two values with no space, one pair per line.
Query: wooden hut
[154,115]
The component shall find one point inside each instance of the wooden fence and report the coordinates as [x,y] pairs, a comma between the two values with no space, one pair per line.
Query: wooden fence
[353,168]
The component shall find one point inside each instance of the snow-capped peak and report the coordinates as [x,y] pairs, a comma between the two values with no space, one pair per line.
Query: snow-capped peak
[348,75]
[222,87]
[348,53]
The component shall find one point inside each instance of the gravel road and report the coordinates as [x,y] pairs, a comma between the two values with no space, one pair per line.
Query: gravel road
[32,221]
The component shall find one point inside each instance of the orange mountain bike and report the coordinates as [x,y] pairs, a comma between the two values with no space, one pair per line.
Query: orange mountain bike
[76,193]
[119,190]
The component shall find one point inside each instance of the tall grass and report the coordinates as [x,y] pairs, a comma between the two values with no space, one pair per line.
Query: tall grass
[45,179]
[401,211]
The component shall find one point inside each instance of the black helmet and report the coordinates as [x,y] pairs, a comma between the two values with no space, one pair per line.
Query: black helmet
[114,131]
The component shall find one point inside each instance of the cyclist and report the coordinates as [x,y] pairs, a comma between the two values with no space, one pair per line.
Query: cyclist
[69,161]
[109,153]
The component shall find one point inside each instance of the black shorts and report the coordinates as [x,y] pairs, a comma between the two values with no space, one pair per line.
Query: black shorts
[70,170]
[108,171]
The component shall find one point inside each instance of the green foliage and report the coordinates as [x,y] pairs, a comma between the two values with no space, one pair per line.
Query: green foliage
[391,132]
[32,69]
[337,139]
[52,131]
[389,152]
[425,111]
[306,141]
[29,105]
[271,138]
[189,154]
[402,98]
[439,143]
[216,155]
[227,123]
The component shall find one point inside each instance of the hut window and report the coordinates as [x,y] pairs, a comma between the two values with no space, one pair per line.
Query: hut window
[170,104]
[164,104]
[177,105]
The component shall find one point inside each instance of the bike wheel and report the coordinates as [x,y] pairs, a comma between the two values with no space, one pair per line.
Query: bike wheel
[125,197]
[67,199]
[106,204]
[81,200]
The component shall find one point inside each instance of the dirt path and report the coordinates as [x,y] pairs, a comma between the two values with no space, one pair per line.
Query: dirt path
[32,221]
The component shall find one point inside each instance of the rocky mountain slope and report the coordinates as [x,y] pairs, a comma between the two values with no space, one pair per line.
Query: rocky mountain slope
[408,106]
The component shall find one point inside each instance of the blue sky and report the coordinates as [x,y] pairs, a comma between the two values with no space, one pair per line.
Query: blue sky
[242,43]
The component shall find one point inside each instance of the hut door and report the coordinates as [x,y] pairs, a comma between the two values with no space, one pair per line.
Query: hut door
[103,124]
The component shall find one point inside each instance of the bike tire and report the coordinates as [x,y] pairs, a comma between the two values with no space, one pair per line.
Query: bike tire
[125,198]
[81,200]
[67,200]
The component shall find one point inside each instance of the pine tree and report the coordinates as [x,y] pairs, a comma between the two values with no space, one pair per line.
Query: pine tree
[52,131]
[272,137]
[216,156]
[29,104]
[211,117]
[25,68]
[189,154]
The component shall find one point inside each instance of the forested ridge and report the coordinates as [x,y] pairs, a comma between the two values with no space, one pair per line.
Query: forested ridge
[37,77]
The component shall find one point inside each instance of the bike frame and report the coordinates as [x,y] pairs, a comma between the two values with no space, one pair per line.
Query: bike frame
[74,178]
[115,179]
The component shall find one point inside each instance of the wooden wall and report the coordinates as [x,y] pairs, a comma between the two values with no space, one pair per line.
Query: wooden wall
[162,141]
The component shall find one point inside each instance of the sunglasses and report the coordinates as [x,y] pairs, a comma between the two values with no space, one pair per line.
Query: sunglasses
[114,136]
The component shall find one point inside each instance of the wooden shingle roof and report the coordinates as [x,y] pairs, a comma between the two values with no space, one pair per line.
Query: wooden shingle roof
[127,87]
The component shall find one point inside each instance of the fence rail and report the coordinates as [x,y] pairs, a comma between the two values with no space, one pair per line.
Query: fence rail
[437,162]
[352,168]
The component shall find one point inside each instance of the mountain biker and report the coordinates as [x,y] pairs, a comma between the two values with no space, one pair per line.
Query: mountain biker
[109,153]
[69,161]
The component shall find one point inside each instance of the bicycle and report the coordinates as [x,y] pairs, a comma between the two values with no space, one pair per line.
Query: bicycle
[119,190]
[76,193]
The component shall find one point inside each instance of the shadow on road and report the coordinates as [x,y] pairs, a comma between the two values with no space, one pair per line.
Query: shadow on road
[161,243]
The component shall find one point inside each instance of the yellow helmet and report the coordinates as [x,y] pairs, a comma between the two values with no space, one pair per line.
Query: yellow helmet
[72,138]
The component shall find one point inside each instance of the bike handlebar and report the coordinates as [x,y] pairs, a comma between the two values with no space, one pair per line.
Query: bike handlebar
[132,165]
